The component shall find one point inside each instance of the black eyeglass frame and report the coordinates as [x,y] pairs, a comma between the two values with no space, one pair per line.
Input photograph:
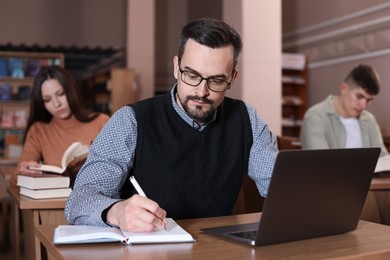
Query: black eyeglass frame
[207,80]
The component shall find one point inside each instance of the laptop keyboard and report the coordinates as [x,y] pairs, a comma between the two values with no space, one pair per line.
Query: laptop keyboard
[247,234]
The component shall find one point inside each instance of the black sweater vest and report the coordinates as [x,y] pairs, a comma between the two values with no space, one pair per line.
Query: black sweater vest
[189,173]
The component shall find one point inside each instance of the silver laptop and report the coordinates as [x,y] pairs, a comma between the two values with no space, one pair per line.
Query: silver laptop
[312,193]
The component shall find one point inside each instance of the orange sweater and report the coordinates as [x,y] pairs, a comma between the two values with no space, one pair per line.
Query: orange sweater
[48,142]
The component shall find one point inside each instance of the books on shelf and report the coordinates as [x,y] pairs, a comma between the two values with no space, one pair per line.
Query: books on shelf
[20,118]
[43,181]
[7,118]
[13,118]
[9,140]
[75,154]
[12,144]
[291,100]
[16,66]
[23,93]
[5,91]
[291,122]
[24,65]
[3,67]
[293,61]
[293,79]
[32,68]
[76,234]
[45,193]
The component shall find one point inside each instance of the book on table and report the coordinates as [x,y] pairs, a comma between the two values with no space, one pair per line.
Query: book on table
[43,181]
[383,166]
[45,193]
[74,156]
[77,234]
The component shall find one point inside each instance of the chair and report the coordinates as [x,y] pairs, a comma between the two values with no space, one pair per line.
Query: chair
[249,199]
[288,142]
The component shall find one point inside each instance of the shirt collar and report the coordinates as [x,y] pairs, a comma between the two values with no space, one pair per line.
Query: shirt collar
[184,115]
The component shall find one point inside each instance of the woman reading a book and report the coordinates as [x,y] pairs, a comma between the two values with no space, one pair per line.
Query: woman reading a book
[56,120]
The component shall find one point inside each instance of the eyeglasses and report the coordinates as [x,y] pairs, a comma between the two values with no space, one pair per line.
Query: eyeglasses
[213,83]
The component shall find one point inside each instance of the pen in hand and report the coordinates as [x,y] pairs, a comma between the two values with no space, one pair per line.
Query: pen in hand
[140,191]
[137,187]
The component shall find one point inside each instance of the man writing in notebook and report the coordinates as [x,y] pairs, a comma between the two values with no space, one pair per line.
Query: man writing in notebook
[188,149]
[342,121]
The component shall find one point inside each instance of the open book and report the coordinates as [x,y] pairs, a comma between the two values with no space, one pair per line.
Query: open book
[73,155]
[383,165]
[75,234]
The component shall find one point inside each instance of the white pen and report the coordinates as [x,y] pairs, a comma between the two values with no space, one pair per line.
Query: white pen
[140,191]
[137,187]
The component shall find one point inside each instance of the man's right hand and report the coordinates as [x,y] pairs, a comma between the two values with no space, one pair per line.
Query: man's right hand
[137,214]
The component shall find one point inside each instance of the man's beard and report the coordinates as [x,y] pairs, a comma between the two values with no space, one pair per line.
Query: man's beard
[198,114]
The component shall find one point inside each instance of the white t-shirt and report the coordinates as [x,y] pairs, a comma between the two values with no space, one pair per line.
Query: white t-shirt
[354,135]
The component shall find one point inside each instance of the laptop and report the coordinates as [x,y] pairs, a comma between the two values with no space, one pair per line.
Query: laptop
[313,193]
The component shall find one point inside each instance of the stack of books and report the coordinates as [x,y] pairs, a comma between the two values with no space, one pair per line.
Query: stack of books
[45,186]
[55,182]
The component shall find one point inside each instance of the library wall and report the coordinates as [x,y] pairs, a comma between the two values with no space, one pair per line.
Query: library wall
[81,23]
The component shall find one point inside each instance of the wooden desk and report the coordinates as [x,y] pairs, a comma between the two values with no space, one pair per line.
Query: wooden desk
[377,205]
[369,240]
[35,212]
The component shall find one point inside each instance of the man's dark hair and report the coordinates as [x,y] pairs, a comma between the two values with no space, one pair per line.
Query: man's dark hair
[364,76]
[212,33]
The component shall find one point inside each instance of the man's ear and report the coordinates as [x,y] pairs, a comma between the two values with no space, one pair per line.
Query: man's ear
[344,87]
[175,61]
[235,74]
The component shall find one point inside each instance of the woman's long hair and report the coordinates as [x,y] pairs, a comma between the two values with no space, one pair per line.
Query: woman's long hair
[38,112]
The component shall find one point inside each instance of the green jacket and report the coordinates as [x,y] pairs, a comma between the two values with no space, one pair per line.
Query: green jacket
[322,128]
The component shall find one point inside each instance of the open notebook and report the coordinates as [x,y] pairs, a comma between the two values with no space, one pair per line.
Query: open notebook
[76,234]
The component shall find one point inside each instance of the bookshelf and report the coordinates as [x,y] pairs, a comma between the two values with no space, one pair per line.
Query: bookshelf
[294,93]
[17,71]
[110,90]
